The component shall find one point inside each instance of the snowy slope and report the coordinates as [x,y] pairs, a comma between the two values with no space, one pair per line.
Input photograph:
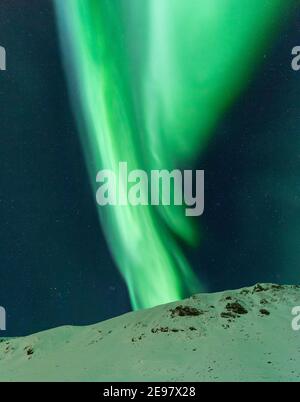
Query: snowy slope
[235,335]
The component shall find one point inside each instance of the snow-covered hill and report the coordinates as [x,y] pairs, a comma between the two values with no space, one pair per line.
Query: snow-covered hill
[242,335]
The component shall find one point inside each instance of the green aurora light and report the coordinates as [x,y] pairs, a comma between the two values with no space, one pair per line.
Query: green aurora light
[150,79]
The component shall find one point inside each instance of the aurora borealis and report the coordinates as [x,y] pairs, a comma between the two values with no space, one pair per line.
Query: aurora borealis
[150,81]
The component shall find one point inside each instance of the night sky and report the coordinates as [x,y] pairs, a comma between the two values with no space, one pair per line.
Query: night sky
[55,267]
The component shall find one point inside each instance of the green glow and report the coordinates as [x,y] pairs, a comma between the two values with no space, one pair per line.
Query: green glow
[150,80]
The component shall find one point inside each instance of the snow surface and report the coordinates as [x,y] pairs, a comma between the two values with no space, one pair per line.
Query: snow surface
[241,335]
